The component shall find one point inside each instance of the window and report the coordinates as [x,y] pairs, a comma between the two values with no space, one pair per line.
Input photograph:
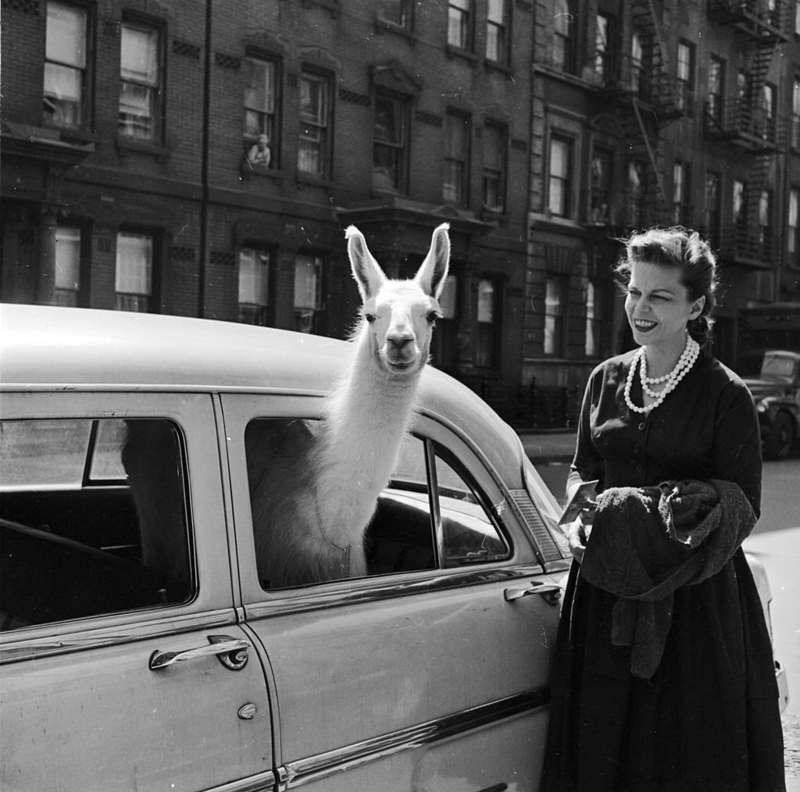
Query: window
[637,63]
[68,265]
[396,12]
[558,193]
[494,166]
[431,515]
[445,339]
[685,98]
[497,29]
[134,272]
[65,66]
[390,143]
[740,209]
[253,286]
[768,109]
[636,193]
[793,245]
[765,222]
[796,114]
[261,128]
[716,90]
[681,172]
[313,150]
[140,87]
[456,156]
[62,479]
[488,323]
[596,295]
[459,23]
[744,112]
[307,292]
[563,37]
[712,208]
[602,51]
[797,18]
[555,290]
[601,185]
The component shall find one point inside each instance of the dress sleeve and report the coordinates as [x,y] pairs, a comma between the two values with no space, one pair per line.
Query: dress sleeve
[587,463]
[736,454]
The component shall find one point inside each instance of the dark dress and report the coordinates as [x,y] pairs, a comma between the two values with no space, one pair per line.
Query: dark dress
[709,718]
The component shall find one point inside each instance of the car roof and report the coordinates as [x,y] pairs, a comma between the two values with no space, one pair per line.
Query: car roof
[47,347]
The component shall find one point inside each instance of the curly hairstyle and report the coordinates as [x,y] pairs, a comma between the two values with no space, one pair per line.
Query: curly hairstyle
[683,248]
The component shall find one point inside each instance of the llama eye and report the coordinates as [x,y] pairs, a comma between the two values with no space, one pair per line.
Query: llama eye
[432,317]
[370,317]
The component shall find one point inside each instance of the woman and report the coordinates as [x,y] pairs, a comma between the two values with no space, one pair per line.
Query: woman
[705,715]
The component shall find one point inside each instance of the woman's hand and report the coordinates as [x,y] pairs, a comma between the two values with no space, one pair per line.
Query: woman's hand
[576,536]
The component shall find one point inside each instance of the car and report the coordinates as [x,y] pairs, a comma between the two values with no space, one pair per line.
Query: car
[141,647]
[124,667]
[776,392]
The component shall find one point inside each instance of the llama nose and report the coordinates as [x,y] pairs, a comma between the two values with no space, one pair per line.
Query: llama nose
[399,341]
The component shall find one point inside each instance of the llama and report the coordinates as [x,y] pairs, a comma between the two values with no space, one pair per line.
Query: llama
[314,491]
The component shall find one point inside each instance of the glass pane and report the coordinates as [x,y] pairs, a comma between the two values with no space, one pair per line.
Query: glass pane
[107,458]
[469,534]
[253,277]
[313,98]
[486,301]
[139,55]
[66,35]
[259,93]
[559,158]
[388,121]
[307,272]
[134,264]
[136,111]
[68,258]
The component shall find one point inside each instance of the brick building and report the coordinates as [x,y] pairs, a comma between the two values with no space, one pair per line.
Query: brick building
[204,158]
[658,112]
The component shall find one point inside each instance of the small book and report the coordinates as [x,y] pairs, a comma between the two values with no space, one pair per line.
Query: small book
[582,499]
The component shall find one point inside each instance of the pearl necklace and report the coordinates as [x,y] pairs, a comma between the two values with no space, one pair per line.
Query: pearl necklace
[687,359]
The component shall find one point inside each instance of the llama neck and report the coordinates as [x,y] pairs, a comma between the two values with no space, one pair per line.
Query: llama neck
[368,417]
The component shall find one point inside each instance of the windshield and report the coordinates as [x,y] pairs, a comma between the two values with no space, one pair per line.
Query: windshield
[778,366]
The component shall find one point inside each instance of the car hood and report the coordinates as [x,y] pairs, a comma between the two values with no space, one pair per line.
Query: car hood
[766,386]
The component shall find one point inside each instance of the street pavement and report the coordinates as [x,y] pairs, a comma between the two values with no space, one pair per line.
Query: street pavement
[776,541]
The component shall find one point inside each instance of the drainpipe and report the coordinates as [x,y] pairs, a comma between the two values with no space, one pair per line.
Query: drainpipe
[205,157]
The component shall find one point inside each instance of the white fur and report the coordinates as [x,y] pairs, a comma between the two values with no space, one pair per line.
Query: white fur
[314,499]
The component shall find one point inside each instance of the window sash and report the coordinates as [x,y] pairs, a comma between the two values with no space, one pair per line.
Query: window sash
[496,30]
[313,124]
[139,56]
[494,166]
[794,225]
[65,64]
[389,142]
[254,277]
[558,186]
[134,267]
[307,282]
[458,21]
[553,315]
[68,258]
[66,35]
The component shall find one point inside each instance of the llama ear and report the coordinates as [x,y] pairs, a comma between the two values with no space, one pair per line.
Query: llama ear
[368,274]
[433,272]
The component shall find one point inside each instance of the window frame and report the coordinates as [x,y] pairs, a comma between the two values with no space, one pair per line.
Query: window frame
[85,105]
[686,76]
[601,191]
[494,175]
[795,142]
[555,321]
[399,150]
[64,294]
[268,122]
[716,89]
[488,332]
[502,31]
[258,311]
[150,302]
[406,15]
[324,125]
[157,88]
[564,37]
[712,207]
[460,25]
[565,181]
[456,162]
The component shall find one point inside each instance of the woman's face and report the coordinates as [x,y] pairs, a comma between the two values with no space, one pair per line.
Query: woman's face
[658,305]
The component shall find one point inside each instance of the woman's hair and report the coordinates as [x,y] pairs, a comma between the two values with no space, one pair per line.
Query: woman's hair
[678,247]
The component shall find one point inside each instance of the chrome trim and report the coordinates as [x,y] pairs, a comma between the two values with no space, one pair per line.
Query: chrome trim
[277,603]
[263,782]
[315,768]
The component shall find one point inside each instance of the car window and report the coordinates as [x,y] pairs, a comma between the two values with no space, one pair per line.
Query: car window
[431,515]
[93,518]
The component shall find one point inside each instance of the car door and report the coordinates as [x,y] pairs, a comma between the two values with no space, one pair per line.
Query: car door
[122,661]
[431,673]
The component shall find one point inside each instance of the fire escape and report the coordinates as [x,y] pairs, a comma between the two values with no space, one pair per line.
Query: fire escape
[645,95]
[752,126]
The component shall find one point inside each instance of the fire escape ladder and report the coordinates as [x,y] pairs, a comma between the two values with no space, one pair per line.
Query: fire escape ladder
[655,158]
[658,84]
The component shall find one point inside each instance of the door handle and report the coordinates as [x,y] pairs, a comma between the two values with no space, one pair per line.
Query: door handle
[550,592]
[231,652]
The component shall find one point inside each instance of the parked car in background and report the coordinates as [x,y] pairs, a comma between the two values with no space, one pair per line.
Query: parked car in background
[776,391]
[122,669]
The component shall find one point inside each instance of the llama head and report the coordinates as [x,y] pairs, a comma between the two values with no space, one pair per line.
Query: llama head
[399,315]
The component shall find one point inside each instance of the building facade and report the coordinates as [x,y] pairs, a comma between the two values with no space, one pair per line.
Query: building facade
[668,112]
[204,158]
